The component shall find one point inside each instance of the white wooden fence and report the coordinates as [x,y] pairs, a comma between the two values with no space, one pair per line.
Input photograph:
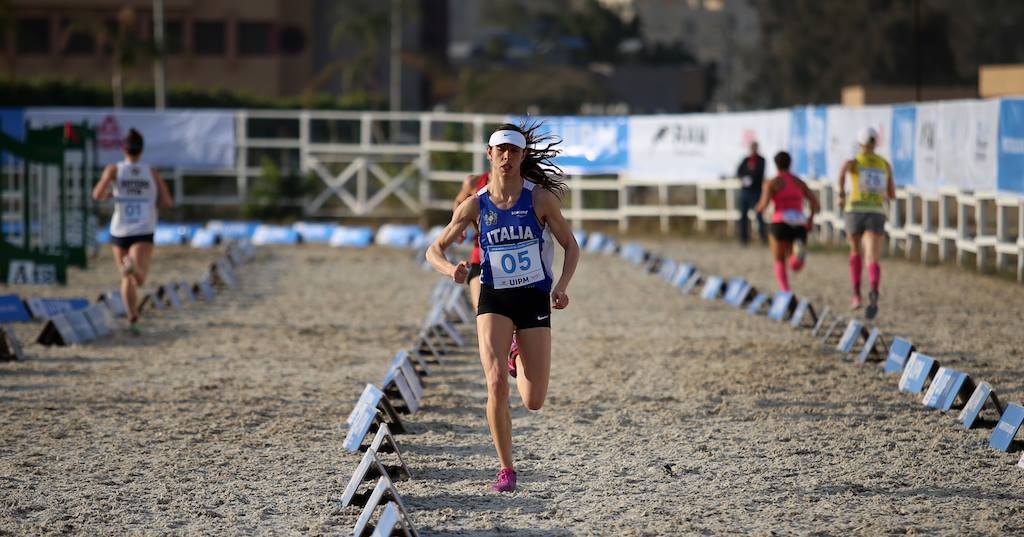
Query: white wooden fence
[383,165]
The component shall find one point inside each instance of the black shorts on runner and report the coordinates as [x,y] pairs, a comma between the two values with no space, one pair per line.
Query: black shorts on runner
[126,242]
[526,306]
[474,272]
[788,233]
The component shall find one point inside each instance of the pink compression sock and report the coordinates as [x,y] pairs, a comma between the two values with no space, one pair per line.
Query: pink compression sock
[780,276]
[874,275]
[855,267]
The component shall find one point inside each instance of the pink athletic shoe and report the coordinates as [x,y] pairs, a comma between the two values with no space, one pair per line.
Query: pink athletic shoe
[506,481]
[513,353]
[795,263]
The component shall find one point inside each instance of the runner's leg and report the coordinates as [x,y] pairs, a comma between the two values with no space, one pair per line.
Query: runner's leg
[856,266]
[535,372]
[494,333]
[779,250]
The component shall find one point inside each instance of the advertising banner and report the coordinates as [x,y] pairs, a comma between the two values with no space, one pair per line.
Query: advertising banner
[1011,145]
[198,139]
[904,122]
[698,148]
[590,145]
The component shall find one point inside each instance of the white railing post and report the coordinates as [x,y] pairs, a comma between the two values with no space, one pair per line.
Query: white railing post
[426,129]
[242,156]
[623,205]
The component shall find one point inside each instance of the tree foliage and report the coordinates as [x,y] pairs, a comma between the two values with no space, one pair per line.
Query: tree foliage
[810,49]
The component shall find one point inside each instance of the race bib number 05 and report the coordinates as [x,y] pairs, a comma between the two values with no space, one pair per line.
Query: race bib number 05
[515,265]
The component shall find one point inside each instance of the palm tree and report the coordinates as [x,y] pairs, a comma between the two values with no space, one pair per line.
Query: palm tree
[125,44]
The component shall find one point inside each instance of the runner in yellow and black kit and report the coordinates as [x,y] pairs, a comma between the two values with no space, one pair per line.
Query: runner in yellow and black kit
[871,186]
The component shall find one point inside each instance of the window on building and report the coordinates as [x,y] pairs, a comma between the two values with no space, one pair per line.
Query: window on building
[32,36]
[79,37]
[174,37]
[254,38]
[210,38]
[291,40]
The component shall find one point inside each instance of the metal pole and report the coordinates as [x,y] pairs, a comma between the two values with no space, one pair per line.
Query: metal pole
[917,51]
[159,78]
[395,80]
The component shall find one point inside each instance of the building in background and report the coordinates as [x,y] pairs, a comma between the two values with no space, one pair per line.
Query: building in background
[262,47]
[719,33]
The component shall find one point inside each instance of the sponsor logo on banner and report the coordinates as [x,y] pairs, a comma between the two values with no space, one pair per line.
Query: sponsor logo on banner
[174,138]
[108,134]
[680,138]
[903,124]
[1011,145]
[590,145]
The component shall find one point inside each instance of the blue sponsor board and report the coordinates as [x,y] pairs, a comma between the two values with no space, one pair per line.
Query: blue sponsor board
[173,234]
[267,234]
[807,143]
[44,308]
[1009,424]
[590,145]
[898,354]
[1011,145]
[917,372]
[312,232]
[12,122]
[781,305]
[904,124]
[12,310]
[232,230]
[353,237]
[203,238]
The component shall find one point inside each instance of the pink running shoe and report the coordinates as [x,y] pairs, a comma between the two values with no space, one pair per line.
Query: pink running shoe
[855,302]
[513,353]
[506,481]
[795,263]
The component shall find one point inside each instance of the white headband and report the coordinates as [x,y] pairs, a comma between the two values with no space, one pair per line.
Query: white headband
[515,138]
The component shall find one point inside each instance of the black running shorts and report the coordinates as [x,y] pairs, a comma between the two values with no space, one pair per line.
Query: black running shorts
[474,272]
[787,233]
[526,306]
[125,243]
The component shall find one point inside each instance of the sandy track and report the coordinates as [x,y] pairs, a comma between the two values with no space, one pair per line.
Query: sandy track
[666,415]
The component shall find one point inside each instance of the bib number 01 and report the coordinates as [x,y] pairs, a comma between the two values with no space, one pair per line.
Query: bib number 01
[132,212]
[515,265]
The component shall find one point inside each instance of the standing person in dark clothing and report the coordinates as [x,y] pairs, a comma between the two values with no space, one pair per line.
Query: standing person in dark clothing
[751,173]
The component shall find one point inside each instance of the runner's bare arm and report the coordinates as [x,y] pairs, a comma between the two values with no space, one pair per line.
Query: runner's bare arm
[468,187]
[102,189]
[549,210]
[812,198]
[465,214]
[164,200]
[842,181]
[467,191]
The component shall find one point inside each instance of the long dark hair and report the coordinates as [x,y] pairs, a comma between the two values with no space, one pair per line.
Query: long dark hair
[538,159]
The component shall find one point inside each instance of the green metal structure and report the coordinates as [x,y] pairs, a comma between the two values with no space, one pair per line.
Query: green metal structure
[45,187]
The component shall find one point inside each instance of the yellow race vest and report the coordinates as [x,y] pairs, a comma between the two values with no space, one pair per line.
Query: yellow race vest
[868,184]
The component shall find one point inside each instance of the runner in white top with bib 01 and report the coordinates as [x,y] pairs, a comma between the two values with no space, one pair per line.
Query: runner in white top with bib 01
[137,191]
[519,217]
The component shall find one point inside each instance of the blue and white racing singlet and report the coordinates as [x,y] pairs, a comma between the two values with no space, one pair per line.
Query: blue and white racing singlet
[135,194]
[517,250]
